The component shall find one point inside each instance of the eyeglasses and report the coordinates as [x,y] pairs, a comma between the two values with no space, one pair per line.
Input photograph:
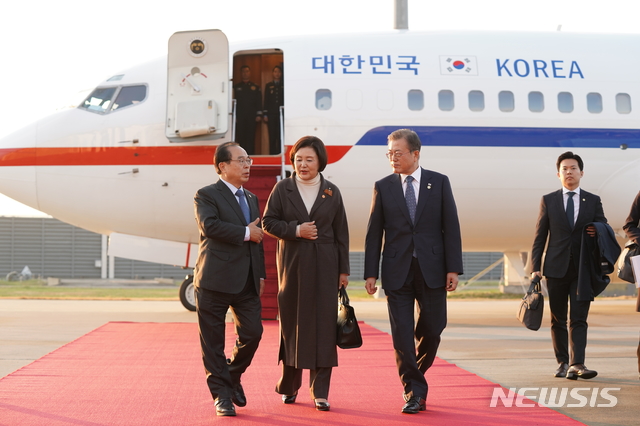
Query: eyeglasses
[395,154]
[243,161]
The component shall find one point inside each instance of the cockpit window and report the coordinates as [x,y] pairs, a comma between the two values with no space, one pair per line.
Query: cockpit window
[99,100]
[107,99]
[129,95]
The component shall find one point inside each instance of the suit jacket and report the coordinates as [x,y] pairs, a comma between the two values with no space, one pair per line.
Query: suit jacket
[564,242]
[633,231]
[224,258]
[633,221]
[598,257]
[435,235]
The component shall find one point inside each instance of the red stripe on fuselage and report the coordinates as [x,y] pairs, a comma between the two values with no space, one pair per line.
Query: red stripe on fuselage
[117,156]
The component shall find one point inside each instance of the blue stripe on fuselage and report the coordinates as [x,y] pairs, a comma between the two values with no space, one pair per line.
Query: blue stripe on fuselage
[535,137]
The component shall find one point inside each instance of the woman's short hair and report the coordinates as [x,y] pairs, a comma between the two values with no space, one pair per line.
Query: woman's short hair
[316,144]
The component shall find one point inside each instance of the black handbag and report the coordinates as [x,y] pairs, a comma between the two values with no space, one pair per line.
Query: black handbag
[532,306]
[349,336]
[625,271]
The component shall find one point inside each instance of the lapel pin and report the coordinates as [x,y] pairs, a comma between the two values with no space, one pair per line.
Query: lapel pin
[329,192]
[584,199]
[323,196]
[429,185]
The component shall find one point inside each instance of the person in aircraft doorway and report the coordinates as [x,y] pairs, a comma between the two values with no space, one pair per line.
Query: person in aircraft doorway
[273,100]
[248,110]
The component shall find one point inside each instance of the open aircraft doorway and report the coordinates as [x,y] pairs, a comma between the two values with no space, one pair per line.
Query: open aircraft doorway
[258,93]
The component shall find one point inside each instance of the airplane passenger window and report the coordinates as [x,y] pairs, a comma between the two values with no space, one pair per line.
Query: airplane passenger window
[594,103]
[476,100]
[506,103]
[445,100]
[415,100]
[129,95]
[536,102]
[323,99]
[623,103]
[99,100]
[565,102]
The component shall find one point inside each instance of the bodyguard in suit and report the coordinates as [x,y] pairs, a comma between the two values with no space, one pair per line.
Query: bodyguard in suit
[413,209]
[563,216]
[229,273]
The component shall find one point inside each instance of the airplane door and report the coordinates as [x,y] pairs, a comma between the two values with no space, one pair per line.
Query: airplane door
[198,93]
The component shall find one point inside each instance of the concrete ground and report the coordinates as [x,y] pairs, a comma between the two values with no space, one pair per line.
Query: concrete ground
[483,337]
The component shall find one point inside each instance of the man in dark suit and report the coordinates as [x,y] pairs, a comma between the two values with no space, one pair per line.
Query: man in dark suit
[414,210]
[248,110]
[273,100]
[229,273]
[563,216]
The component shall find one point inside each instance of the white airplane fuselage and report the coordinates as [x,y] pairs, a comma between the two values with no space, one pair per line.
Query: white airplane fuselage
[118,173]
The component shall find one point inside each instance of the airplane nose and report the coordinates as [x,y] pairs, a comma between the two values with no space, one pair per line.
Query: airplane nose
[17,166]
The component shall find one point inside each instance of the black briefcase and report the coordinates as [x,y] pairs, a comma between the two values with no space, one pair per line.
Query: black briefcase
[532,306]
[348,336]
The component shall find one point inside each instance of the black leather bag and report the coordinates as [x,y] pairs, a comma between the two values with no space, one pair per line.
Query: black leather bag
[625,271]
[349,336]
[532,306]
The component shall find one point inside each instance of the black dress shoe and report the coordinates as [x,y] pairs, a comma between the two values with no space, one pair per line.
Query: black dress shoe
[562,370]
[322,405]
[224,407]
[238,397]
[579,371]
[414,405]
[289,399]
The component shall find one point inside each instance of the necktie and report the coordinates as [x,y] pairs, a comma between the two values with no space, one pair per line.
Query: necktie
[410,198]
[243,204]
[570,208]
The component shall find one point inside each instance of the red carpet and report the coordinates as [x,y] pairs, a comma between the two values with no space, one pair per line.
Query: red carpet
[151,374]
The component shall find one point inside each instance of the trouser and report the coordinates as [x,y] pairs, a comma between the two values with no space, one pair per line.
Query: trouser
[432,319]
[561,289]
[212,308]
[291,380]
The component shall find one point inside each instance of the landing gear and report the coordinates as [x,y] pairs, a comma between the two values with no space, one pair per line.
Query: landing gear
[188,294]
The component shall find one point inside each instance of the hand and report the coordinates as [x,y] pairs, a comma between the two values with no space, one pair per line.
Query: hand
[261,287]
[308,230]
[265,118]
[370,285]
[255,231]
[452,281]
[344,281]
[591,230]
[258,118]
[536,274]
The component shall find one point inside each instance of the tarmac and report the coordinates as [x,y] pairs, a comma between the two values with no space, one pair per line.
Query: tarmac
[482,336]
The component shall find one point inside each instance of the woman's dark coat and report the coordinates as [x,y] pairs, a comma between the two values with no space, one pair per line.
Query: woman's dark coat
[308,272]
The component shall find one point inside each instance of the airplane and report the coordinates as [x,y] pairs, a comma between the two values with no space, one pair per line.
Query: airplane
[493,110]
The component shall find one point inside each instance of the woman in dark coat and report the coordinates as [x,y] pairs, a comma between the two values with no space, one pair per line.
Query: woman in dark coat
[306,214]
[633,232]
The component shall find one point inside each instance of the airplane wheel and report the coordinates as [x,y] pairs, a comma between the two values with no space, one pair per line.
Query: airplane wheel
[188,294]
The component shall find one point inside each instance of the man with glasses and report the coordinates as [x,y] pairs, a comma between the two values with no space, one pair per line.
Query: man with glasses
[229,273]
[414,210]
